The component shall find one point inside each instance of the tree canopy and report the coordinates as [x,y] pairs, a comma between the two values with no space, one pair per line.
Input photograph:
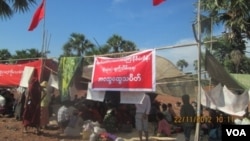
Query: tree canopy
[9,7]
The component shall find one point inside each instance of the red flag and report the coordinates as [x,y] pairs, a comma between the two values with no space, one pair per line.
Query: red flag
[157,2]
[39,14]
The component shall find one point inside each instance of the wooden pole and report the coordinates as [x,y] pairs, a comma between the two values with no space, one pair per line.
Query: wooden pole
[198,112]
[43,43]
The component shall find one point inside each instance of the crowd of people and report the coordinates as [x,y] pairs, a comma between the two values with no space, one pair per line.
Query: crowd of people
[32,106]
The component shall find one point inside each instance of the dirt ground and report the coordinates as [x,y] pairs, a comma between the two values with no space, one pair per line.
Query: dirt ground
[11,130]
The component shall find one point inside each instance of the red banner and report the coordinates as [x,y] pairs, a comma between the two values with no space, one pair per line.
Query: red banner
[135,72]
[10,74]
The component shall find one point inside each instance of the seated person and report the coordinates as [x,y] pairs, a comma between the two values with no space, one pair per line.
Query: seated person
[95,114]
[109,121]
[172,112]
[63,115]
[166,113]
[124,121]
[75,124]
[164,128]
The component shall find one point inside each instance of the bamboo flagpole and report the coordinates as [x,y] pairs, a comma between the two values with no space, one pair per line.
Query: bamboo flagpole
[197,128]
[37,17]
[44,32]
[43,42]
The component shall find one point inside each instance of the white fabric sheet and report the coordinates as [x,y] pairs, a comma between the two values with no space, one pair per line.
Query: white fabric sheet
[95,95]
[222,99]
[131,97]
[53,81]
[26,76]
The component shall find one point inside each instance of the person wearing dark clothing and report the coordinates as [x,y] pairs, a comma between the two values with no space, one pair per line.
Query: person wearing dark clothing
[171,111]
[110,122]
[31,114]
[187,112]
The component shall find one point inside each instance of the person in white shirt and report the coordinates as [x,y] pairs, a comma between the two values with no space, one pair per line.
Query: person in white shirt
[2,104]
[63,115]
[141,116]
[2,101]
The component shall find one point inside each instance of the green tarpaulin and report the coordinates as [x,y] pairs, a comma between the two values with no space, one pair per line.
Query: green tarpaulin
[242,79]
[67,69]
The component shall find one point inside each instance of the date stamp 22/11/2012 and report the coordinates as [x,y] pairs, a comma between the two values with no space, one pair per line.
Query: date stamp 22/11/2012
[203,119]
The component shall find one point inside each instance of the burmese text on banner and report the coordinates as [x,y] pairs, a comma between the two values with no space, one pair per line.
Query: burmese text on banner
[11,74]
[135,72]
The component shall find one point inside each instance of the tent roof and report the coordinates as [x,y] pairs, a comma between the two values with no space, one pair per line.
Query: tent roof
[166,69]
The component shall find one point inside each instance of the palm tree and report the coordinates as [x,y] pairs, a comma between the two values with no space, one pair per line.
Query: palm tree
[181,64]
[234,15]
[89,59]
[77,45]
[202,63]
[117,44]
[128,46]
[195,65]
[9,7]
[236,57]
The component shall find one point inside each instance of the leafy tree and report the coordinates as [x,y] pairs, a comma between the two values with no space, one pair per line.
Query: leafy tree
[232,59]
[244,66]
[181,64]
[27,54]
[128,46]
[77,45]
[89,59]
[220,49]
[9,7]
[5,55]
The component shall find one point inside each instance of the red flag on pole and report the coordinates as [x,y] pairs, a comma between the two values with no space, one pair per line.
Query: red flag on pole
[39,14]
[157,2]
